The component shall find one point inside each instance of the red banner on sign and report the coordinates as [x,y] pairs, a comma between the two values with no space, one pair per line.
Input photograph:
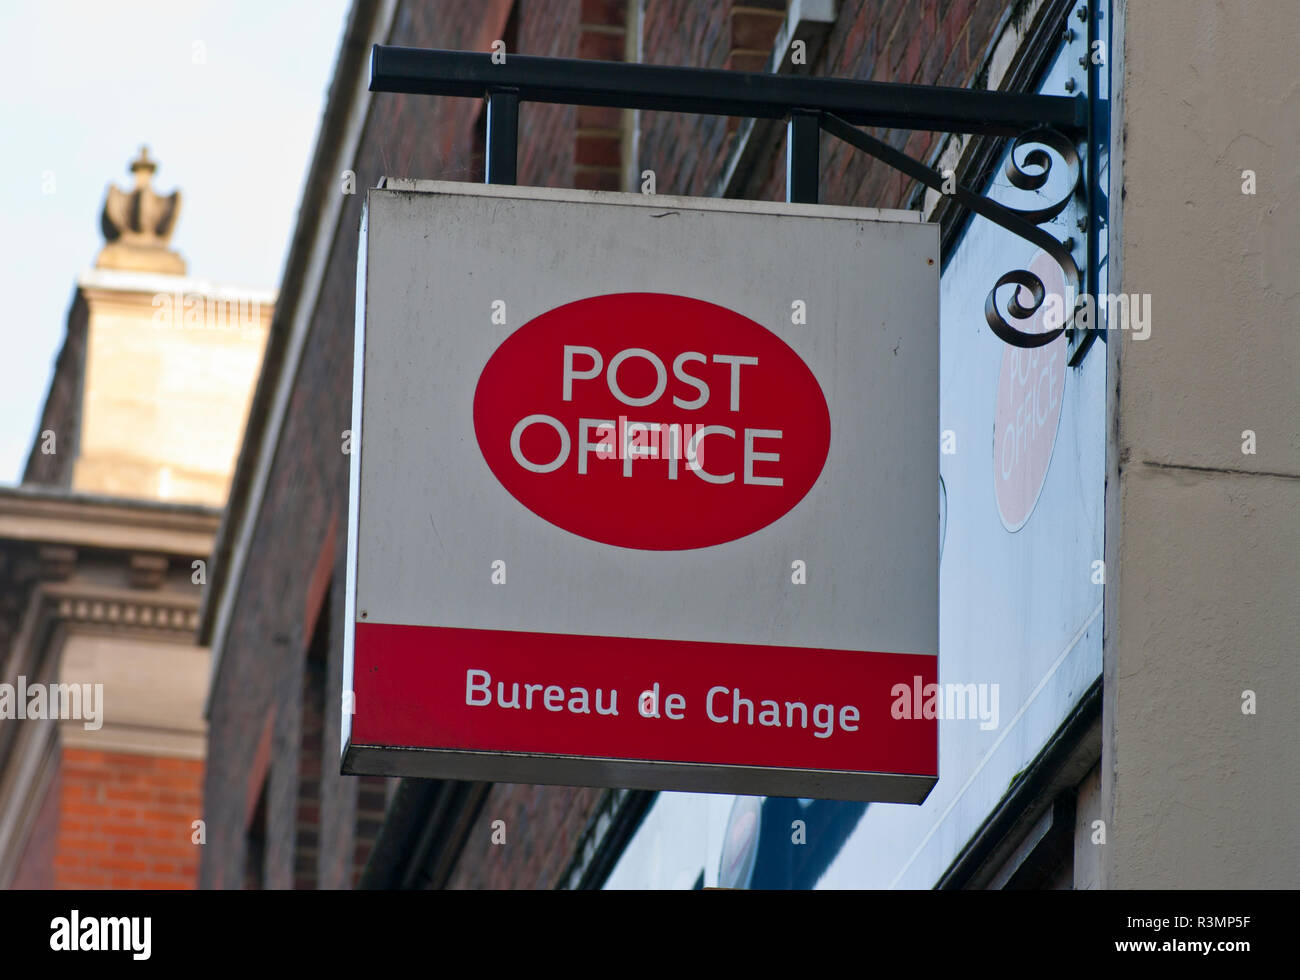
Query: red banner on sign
[640,699]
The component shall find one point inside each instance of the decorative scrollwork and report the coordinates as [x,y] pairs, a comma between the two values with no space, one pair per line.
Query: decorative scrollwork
[1024,180]
[1017,310]
[1027,180]
[1022,222]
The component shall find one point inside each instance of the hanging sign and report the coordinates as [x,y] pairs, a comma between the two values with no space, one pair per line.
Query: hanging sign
[643,493]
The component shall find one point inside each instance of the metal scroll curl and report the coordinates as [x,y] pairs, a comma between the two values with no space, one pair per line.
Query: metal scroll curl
[1026,180]
[1033,180]
[1023,279]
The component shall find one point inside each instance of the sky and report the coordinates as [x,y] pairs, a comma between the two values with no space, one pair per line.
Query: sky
[228,95]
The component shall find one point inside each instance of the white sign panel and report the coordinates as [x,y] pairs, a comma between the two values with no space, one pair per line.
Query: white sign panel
[644,493]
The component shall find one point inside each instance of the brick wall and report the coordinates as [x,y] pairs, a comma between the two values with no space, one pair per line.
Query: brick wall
[752,26]
[542,825]
[126,821]
[932,41]
[306,858]
[372,802]
[546,132]
[598,140]
[686,152]
[924,42]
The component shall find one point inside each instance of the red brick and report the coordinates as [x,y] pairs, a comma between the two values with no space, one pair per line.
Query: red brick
[932,66]
[111,829]
[161,884]
[169,831]
[191,766]
[890,22]
[953,26]
[754,30]
[95,810]
[73,844]
[911,60]
[88,756]
[597,180]
[130,760]
[121,864]
[599,117]
[956,71]
[747,61]
[88,879]
[598,151]
[612,13]
[600,46]
[984,17]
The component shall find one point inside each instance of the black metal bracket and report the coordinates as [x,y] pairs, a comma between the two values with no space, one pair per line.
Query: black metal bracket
[836,106]
[502,157]
[802,161]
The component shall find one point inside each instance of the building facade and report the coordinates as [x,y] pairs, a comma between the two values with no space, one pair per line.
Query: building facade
[103,557]
[1115,532]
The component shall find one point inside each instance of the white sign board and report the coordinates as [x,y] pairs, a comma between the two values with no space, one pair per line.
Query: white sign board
[644,493]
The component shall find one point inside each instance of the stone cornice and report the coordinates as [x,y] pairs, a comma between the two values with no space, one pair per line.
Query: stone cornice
[79,604]
[169,616]
[54,516]
[127,286]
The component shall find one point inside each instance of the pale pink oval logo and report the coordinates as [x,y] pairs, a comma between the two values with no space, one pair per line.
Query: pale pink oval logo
[651,421]
[1028,410]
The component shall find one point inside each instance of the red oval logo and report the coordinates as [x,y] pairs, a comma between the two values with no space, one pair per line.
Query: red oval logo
[651,421]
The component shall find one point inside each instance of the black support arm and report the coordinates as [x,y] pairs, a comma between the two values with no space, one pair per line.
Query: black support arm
[574,81]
